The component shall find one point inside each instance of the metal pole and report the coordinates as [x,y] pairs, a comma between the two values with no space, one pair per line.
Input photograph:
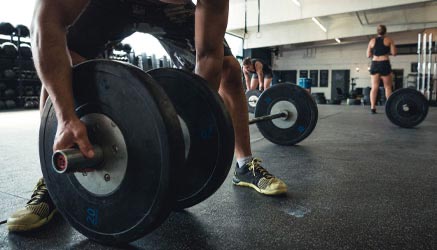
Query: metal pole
[434,83]
[418,61]
[429,68]
[424,63]
[269,117]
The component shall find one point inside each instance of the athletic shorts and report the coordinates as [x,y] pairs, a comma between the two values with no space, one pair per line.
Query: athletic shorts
[106,22]
[380,67]
[266,75]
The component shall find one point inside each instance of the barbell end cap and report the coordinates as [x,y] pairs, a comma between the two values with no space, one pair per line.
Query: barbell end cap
[59,162]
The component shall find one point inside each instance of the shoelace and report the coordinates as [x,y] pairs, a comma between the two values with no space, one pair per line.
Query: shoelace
[39,191]
[255,166]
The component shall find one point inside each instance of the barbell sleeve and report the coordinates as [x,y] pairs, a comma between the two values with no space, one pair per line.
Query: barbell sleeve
[72,160]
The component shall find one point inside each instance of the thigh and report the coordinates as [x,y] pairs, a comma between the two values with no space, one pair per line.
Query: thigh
[254,83]
[375,81]
[231,71]
[387,80]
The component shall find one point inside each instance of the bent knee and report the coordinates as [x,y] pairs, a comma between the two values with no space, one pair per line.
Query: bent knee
[231,70]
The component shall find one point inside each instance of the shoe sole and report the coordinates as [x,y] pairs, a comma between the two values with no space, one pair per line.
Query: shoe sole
[246,184]
[26,228]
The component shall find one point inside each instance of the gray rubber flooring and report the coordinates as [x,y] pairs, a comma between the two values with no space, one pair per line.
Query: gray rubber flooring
[358,182]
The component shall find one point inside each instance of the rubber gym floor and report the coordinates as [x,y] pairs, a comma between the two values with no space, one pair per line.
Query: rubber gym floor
[358,182]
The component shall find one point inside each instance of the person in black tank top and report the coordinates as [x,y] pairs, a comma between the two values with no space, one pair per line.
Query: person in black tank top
[379,50]
[257,73]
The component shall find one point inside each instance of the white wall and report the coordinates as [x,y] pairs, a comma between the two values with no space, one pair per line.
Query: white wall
[277,11]
[341,18]
[341,57]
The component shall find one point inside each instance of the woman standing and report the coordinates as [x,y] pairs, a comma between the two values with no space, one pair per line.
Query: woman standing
[379,49]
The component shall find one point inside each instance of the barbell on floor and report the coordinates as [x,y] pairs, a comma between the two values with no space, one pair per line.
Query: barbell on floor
[285,114]
[164,141]
[406,107]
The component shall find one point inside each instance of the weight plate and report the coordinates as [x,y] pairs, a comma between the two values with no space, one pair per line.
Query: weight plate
[252,97]
[211,140]
[406,107]
[142,198]
[302,114]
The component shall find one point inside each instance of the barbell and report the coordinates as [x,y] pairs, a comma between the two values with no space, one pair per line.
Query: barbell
[163,141]
[285,114]
[406,107]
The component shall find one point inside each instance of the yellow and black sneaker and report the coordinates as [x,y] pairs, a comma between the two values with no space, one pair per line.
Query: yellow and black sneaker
[254,176]
[38,211]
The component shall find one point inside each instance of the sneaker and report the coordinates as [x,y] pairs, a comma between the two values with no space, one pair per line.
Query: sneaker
[254,176]
[38,211]
[373,111]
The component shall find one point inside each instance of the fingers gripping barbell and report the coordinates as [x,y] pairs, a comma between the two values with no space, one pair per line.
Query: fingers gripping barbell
[285,113]
[141,170]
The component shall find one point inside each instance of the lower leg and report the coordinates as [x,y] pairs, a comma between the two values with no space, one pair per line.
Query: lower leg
[267,83]
[374,90]
[232,92]
[388,85]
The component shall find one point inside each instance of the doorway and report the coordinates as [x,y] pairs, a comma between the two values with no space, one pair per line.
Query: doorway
[340,83]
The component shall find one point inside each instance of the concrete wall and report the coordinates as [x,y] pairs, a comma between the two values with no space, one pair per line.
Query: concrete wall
[342,57]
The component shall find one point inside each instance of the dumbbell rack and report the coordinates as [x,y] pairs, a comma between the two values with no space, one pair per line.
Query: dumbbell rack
[24,81]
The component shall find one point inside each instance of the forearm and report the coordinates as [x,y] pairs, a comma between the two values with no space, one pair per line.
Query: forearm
[247,82]
[53,64]
[260,77]
[211,21]
[393,50]
[247,79]
[369,54]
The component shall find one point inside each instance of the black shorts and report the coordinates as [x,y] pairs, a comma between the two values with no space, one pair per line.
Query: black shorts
[106,22]
[266,75]
[380,67]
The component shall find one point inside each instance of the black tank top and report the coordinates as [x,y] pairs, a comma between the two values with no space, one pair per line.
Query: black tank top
[380,49]
[266,67]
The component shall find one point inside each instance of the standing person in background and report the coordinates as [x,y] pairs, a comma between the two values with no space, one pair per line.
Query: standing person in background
[379,49]
[257,73]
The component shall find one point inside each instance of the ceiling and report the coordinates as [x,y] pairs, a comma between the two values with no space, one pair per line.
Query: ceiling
[285,24]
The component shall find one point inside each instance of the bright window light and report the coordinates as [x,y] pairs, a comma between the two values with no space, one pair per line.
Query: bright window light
[337,40]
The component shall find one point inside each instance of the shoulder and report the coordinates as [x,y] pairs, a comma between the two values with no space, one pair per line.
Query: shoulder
[258,62]
[388,40]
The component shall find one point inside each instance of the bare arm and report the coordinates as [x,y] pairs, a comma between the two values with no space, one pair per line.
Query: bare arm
[211,21]
[247,78]
[260,73]
[393,50]
[369,48]
[50,53]
[53,62]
